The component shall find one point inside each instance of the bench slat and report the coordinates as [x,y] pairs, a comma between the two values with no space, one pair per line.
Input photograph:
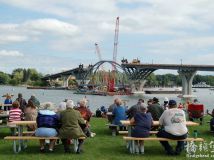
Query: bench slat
[31,138]
[162,139]
[126,132]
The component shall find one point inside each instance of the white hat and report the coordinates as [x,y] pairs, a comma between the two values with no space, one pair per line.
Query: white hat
[166,99]
[69,104]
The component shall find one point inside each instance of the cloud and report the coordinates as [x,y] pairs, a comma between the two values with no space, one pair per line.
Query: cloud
[11,53]
[36,29]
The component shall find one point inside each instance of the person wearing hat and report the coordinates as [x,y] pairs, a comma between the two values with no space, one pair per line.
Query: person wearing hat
[165,103]
[173,121]
[155,109]
[71,120]
[7,100]
[22,102]
[143,123]
[47,123]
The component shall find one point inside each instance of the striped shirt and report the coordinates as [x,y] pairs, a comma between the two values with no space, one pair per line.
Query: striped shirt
[15,114]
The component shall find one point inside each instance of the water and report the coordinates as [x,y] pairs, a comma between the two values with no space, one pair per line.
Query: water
[205,96]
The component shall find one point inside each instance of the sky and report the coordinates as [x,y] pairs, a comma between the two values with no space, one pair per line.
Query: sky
[56,35]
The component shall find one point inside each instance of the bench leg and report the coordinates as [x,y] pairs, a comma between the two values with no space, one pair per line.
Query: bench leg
[16,149]
[75,142]
[114,131]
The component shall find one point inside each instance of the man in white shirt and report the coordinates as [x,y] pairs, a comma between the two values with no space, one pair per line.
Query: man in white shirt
[173,121]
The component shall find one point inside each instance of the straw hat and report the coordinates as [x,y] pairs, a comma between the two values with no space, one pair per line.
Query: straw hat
[8,95]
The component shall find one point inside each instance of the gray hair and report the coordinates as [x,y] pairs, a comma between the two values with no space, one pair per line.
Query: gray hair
[48,105]
[69,104]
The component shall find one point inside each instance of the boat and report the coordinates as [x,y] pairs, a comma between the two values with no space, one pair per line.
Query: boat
[201,85]
[177,90]
[50,88]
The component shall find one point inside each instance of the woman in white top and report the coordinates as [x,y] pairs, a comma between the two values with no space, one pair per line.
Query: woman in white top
[173,121]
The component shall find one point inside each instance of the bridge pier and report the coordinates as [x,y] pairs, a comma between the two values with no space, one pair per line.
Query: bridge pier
[187,78]
[65,80]
[137,85]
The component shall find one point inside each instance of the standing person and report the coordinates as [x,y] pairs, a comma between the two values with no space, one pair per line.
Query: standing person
[119,114]
[70,129]
[35,101]
[8,100]
[47,123]
[31,115]
[135,108]
[155,109]
[174,122]
[143,123]
[22,102]
[15,114]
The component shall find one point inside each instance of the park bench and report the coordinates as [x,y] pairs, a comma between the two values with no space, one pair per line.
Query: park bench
[126,132]
[132,140]
[114,129]
[22,139]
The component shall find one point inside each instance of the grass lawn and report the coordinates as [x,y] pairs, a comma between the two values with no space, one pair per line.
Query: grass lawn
[103,146]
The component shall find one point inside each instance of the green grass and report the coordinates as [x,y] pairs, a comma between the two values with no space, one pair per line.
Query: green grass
[103,146]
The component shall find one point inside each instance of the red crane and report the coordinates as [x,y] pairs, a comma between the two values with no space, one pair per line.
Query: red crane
[111,84]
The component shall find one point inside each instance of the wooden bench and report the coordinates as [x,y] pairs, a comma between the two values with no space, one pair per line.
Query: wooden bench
[25,138]
[126,132]
[114,129]
[131,144]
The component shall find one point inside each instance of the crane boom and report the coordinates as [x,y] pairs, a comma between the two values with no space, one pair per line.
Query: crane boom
[99,54]
[115,42]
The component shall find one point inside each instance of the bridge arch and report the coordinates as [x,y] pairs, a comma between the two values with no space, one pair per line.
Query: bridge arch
[93,68]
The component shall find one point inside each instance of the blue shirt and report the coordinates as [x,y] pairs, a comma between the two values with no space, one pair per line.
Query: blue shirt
[8,101]
[119,113]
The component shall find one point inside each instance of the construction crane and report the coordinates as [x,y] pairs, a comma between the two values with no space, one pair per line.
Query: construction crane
[115,42]
[111,84]
[105,77]
[99,54]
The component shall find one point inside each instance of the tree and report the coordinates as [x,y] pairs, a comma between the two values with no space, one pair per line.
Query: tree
[4,78]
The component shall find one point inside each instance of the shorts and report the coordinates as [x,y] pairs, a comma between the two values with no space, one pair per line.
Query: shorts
[45,132]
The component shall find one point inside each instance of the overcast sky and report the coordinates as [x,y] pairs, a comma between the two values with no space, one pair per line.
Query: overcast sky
[56,35]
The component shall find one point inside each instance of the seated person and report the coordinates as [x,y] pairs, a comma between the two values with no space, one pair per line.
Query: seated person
[70,129]
[173,121]
[119,114]
[7,100]
[15,114]
[211,121]
[47,123]
[31,115]
[143,123]
[103,111]
[134,109]
[86,114]
[155,109]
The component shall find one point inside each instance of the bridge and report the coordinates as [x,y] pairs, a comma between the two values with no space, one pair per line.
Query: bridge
[78,73]
[138,71]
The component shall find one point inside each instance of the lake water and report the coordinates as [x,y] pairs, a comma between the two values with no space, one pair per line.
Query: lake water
[205,96]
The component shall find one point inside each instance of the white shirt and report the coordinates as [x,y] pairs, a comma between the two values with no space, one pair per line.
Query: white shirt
[174,121]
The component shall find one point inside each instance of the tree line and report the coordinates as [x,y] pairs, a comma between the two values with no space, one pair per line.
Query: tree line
[22,76]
